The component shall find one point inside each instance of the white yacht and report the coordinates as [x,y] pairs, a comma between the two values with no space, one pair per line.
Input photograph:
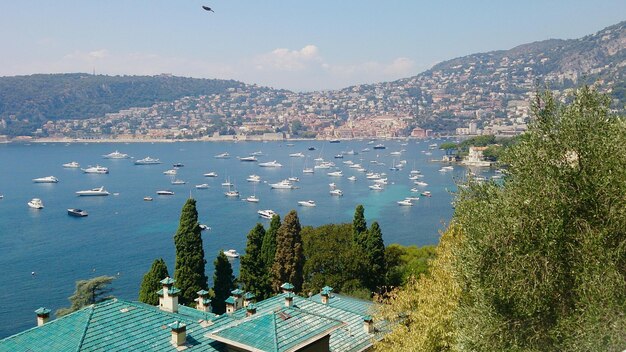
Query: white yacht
[335,173]
[376,187]
[224,155]
[47,179]
[248,158]
[165,193]
[395,153]
[202,186]
[293,179]
[36,203]
[372,176]
[148,161]
[231,253]
[272,163]
[254,178]
[284,184]
[257,153]
[405,202]
[210,174]
[170,172]
[178,182]
[382,181]
[96,170]
[71,165]
[100,191]
[115,155]
[297,155]
[307,203]
[336,192]
[231,193]
[204,227]
[266,214]
[252,199]
[426,194]
[421,183]
[324,165]
[308,170]
[352,178]
[332,185]
[77,212]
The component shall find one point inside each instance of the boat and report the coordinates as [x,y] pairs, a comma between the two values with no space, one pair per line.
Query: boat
[115,155]
[254,178]
[204,227]
[339,156]
[178,182]
[405,202]
[231,253]
[147,198]
[284,184]
[96,170]
[351,152]
[296,155]
[35,203]
[308,170]
[227,183]
[324,165]
[415,172]
[71,165]
[266,213]
[376,187]
[352,178]
[47,179]
[224,155]
[380,146]
[372,176]
[421,183]
[210,174]
[395,153]
[381,181]
[334,141]
[426,194]
[332,185]
[77,212]
[413,198]
[365,150]
[176,165]
[293,179]
[170,172]
[307,203]
[231,193]
[252,199]
[311,148]
[273,163]
[165,193]
[335,173]
[251,158]
[257,153]
[100,191]
[414,190]
[202,186]
[336,192]
[148,161]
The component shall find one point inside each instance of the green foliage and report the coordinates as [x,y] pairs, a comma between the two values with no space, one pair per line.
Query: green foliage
[375,257]
[543,265]
[332,259]
[405,262]
[268,248]
[359,226]
[88,292]
[223,283]
[289,259]
[189,272]
[252,273]
[150,283]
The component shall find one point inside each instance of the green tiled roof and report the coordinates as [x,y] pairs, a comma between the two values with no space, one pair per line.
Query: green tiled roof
[168,281]
[173,291]
[287,286]
[230,300]
[236,292]
[42,311]
[249,296]
[202,293]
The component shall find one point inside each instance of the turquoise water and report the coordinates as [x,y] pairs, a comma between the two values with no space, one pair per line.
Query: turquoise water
[123,234]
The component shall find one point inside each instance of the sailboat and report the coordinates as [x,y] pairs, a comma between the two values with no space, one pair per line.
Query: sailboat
[231,192]
[253,198]
[307,170]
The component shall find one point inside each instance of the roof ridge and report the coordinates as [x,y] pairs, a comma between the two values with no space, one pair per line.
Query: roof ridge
[275,332]
[82,338]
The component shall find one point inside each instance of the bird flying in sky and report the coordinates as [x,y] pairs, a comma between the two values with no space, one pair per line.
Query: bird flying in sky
[207,8]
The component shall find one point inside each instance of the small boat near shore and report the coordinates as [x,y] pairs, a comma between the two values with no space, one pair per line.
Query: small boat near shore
[231,253]
[77,212]
[266,213]
[116,155]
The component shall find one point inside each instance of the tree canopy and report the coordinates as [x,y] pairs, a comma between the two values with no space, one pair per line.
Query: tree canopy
[223,282]
[150,283]
[252,273]
[289,258]
[88,292]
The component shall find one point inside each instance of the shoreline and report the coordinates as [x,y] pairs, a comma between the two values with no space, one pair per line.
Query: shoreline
[165,140]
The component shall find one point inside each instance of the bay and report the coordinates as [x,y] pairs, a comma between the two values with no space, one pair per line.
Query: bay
[123,234]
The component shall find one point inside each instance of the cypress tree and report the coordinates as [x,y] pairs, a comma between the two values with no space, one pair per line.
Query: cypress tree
[359,226]
[252,270]
[289,259]
[375,252]
[190,262]
[268,248]
[223,283]
[150,283]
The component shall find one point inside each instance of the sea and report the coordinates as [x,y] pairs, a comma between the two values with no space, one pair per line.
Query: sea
[44,252]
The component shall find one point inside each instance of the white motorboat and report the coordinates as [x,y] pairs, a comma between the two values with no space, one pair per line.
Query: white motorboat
[178,182]
[266,213]
[414,190]
[77,212]
[324,165]
[335,173]
[307,203]
[415,172]
[148,161]
[405,202]
[296,155]
[308,171]
[115,155]
[96,170]
[382,181]
[232,194]
[170,172]
[257,153]
[284,184]
[352,178]
[248,158]
[413,198]
[202,186]
[47,179]
[36,203]
[165,193]
[254,178]
[210,174]
[365,150]
[395,153]
[332,185]
[336,192]
[224,155]
[71,165]
[376,187]
[252,199]
[231,253]
[421,183]
[147,198]
[272,163]
[100,191]
[204,227]
[293,179]
[380,146]
[178,165]
[426,194]
[372,176]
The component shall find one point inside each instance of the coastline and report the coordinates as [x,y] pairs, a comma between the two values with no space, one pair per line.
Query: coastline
[209,139]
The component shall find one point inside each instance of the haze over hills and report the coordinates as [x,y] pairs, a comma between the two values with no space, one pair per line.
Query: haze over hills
[490,89]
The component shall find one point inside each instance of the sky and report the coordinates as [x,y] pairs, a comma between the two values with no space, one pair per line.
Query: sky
[288,44]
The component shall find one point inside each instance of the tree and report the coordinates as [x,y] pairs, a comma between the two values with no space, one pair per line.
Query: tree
[542,265]
[252,271]
[223,283]
[268,248]
[375,254]
[359,226]
[289,259]
[150,283]
[88,292]
[189,272]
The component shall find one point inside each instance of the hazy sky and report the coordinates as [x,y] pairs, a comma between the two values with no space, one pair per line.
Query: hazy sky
[297,45]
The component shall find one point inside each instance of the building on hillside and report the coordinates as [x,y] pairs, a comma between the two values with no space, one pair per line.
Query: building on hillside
[420,133]
[285,322]
[475,157]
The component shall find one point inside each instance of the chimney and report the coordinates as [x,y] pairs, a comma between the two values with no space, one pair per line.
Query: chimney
[286,287]
[179,333]
[250,309]
[43,315]
[231,303]
[368,324]
[248,298]
[237,294]
[203,301]
[289,299]
[326,291]
[168,296]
